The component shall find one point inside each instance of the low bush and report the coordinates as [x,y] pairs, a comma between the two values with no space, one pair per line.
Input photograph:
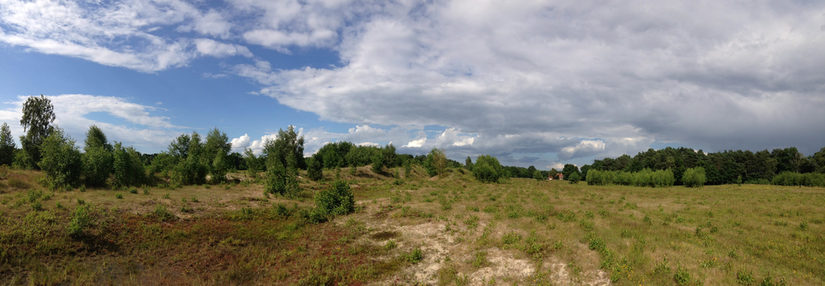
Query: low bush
[487,169]
[337,200]
[694,177]
[414,256]
[80,220]
[162,214]
[797,179]
[643,178]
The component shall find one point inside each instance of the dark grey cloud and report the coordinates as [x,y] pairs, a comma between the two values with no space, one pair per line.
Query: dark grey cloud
[555,77]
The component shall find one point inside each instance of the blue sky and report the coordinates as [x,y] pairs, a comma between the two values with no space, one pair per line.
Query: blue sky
[532,82]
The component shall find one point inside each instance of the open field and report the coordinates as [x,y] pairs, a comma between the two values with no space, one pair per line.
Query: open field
[442,230]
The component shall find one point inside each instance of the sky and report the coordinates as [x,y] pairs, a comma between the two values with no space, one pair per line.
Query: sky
[539,83]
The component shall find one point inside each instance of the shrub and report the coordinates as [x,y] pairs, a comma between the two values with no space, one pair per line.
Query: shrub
[797,179]
[127,167]
[377,164]
[80,220]
[162,214]
[315,170]
[487,169]
[219,167]
[574,178]
[694,177]
[643,178]
[281,180]
[60,161]
[681,277]
[744,278]
[414,256]
[436,162]
[337,200]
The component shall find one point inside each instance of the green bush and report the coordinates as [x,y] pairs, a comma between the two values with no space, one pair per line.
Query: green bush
[574,178]
[128,167]
[487,169]
[797,179]
[315,170]
[682,277]
[435,163]
[643,178]
[61,161]
[162,214]
[97,159]
[414,256]
[694,177]
[337,200]
[80,221]
[281,180]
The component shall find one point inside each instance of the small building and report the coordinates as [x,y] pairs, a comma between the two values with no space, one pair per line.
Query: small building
[558,176]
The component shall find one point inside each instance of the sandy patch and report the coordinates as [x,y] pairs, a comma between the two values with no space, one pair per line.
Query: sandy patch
[502,264]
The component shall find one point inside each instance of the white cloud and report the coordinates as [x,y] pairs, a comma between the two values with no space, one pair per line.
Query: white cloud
[546,75]
[240,144]
[452,137]
[557,166]
[501,77]
[212,23]
[214,48]
[121,33]
[417,143]
[583,148]
[147,131]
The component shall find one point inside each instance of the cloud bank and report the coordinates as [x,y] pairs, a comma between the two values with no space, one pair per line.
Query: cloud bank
[534,82]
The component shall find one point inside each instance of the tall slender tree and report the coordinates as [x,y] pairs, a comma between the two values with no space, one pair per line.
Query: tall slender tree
[6,145]
[38,115]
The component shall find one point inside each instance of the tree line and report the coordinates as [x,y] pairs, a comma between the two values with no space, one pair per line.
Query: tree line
[786,166]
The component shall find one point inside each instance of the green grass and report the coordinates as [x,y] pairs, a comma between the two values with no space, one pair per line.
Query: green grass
[715,235]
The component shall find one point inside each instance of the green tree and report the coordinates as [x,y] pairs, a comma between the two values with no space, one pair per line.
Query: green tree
[38,115]
[219,167]
[487,169]
[568,170]
[407,168]
[468,163]
[538,176]
[61,161]
[388,156]
[253,164]
[191,166]
[315,170]
[6,145]
[574,178]
[283,157]
[215,151]
[436,162]
[819,159]
[694,177]
[128,169]
[179,148]
[97,158]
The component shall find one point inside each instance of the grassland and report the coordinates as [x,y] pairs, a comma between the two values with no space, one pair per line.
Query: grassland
[417,230]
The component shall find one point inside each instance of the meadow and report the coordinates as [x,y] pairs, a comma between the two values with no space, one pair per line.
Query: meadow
[443,230]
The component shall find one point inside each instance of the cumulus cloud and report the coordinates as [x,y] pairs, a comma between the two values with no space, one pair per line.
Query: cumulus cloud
[583,148]
[240,144]
[146,130]
[417,143]
[548,75]
[121,33]
[214,48]
[529,81]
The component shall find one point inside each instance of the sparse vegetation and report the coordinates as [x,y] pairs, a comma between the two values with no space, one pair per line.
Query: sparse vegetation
[450,229]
